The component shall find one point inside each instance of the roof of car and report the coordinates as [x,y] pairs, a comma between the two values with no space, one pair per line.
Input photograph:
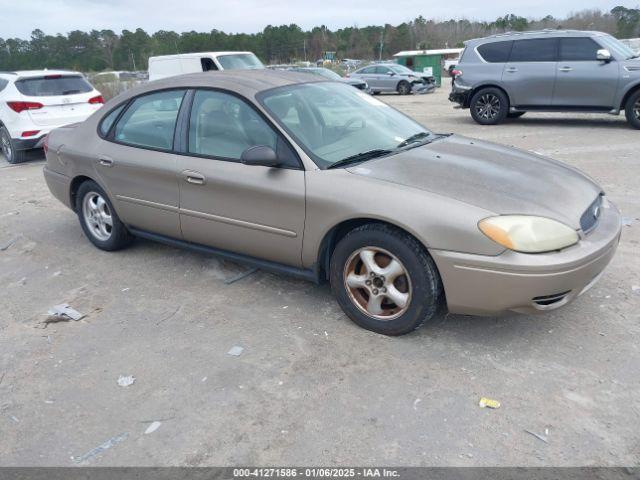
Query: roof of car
[244,82]
[534,34]
[199,55]
[40,73]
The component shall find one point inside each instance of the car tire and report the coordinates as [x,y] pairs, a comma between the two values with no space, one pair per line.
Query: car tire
[377,257]
[99,220]
[515,114]
[632,110]
[489,106]
[9,150]
[404,87]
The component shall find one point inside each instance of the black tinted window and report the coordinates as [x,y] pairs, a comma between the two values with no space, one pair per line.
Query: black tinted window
[150,121]
[107,121]
[496,52]
[53,85]
[3,83]
[578,49]
[536,50]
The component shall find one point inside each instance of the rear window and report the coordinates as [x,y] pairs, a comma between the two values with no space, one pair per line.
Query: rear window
[534,50]
[53,85]
[495,52]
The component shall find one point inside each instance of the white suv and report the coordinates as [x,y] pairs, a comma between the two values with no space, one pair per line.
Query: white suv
[32,103]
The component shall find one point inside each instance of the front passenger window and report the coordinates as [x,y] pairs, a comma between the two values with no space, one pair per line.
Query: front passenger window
[224,126]
[150,121]
[578,49]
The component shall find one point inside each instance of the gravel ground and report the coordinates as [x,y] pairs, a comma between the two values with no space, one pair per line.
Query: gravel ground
[309,387]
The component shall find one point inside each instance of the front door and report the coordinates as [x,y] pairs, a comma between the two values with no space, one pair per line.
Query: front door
[583,80]
[136,164]
[530,74]
[253,210]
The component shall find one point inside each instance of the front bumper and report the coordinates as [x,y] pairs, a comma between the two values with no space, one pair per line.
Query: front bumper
[527,283]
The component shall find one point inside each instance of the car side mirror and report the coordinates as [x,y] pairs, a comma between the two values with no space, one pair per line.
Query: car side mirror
[262,155]
[603,55]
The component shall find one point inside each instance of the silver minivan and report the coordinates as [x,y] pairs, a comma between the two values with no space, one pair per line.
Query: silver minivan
[504,76]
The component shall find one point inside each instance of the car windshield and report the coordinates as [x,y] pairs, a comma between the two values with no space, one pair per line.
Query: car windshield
[53,85]
[401,69]
[617,47]
[333,121]
[240,61]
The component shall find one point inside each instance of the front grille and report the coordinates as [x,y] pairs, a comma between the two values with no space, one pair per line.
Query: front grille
[546,300]
[589,218]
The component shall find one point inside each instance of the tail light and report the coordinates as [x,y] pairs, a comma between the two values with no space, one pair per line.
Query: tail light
[29,133]
[95,100]
[21,106]
[456,73]
[45,144]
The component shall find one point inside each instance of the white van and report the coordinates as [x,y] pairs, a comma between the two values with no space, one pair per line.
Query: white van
[170,65]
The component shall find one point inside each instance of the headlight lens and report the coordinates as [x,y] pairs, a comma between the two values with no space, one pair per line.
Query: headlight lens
[528,234]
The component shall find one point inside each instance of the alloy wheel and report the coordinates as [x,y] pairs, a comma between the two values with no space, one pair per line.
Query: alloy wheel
[636,109]
[488,106]
[97,216]
[377,283]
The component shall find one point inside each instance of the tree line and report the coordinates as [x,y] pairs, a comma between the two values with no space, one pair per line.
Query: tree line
[100,50]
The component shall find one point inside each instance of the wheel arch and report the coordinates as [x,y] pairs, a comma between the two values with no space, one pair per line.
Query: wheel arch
[475,90]
[338,231]
[74,186]
[632,90]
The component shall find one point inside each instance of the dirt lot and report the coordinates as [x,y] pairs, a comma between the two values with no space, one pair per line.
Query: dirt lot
[310,387]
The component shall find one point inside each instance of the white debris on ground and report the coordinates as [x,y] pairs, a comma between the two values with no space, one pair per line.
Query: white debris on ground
[152,428]
[235,351]
[65,311]
[126,381]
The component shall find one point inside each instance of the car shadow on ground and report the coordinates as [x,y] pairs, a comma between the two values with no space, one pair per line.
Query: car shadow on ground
[33,156]
[562,122]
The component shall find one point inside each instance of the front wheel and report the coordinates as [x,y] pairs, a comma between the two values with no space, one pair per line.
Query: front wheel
[9,150]
[384,280]
[404,88]
[489,106]
[632,110]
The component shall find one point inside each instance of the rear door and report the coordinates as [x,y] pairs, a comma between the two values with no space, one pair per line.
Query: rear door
[137,164]
[386,79]
[583,80]
[530,74]
[65,99]
[368,74]
[253,210]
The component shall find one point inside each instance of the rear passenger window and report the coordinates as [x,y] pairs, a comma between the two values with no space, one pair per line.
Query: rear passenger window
[367,70]
[108,120]
[578,49]
[495,52]
[224,126]
[150,121]
[535,50]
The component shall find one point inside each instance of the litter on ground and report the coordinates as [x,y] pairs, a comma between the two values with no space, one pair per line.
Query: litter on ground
[488,403]
[152,428]
[126,380]
[65,311]
[112,442]
[235,351]
[538,436]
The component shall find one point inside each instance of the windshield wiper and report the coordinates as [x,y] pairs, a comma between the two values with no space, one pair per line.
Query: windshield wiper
[413,139]
[360,157]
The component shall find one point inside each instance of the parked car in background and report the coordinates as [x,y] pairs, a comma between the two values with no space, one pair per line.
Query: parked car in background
[288,172]
[564,71]
[32,103]
[331,75]
[169,65]
[391,77]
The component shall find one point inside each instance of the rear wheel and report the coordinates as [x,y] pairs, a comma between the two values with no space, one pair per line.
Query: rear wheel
[404,88]
[8,148]
[489,106]
[384,280]
[632,110]
[99,220]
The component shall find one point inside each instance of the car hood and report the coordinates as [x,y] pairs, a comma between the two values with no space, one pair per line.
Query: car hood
[500,179]
[353,81]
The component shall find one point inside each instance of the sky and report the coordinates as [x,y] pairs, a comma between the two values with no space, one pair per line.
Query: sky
[20,17]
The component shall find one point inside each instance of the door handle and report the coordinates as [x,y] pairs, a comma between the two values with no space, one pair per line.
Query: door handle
[512,70]
[565,69]
[106,161]
[195,178]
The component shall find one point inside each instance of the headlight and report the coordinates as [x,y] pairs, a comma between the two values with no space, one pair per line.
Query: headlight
[528,234]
